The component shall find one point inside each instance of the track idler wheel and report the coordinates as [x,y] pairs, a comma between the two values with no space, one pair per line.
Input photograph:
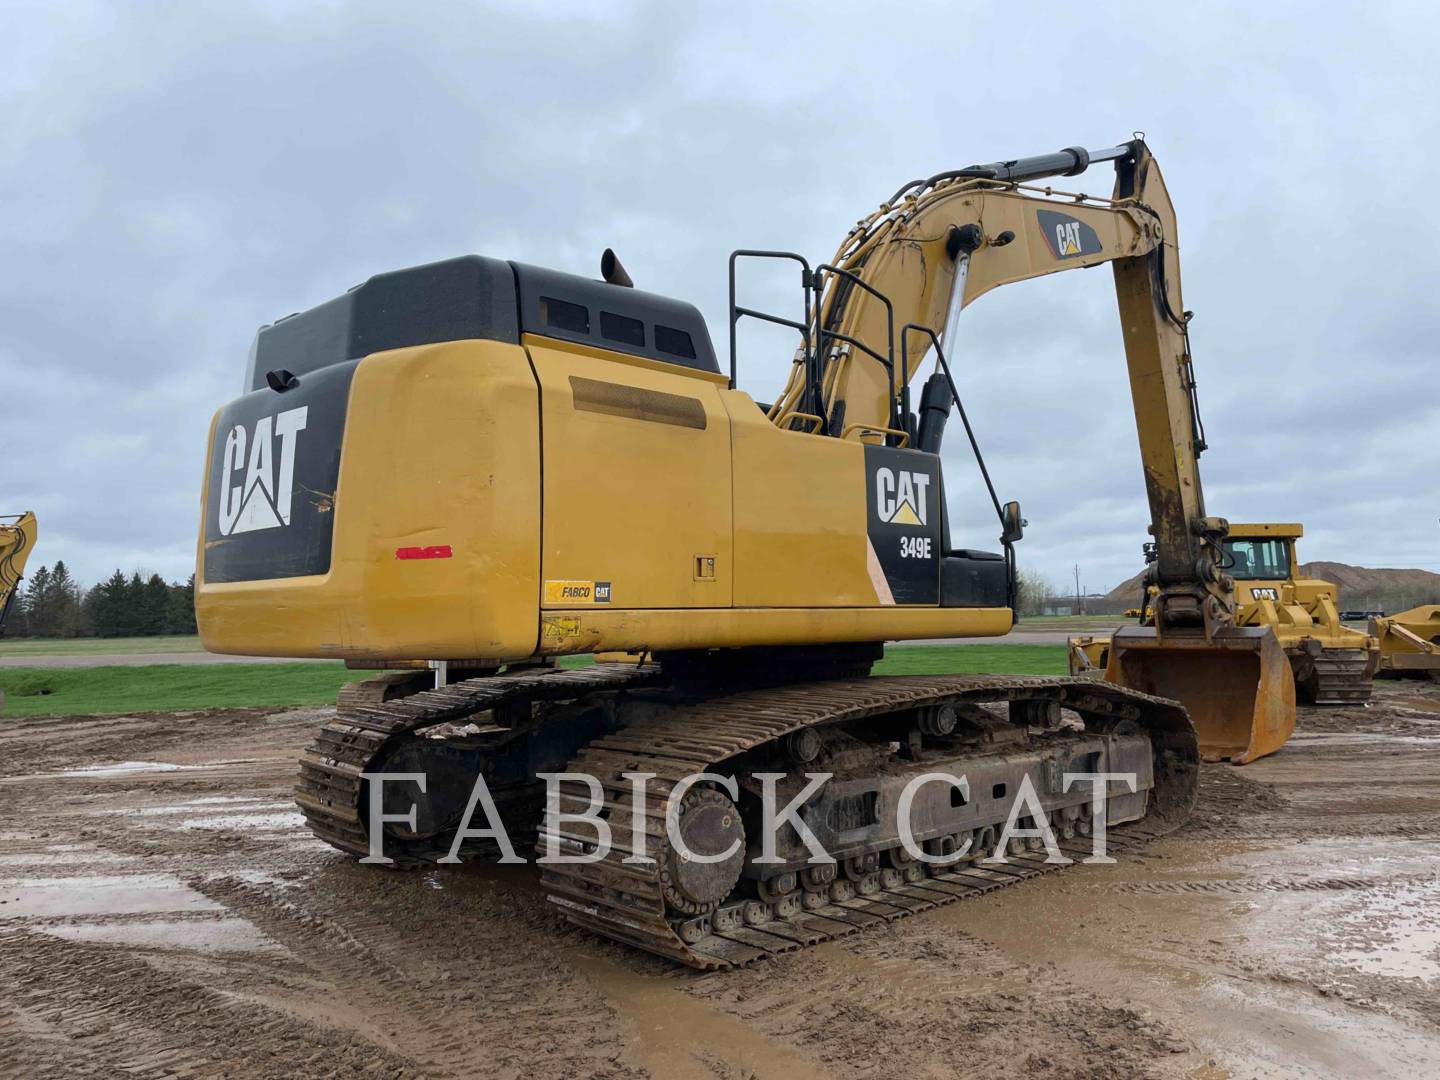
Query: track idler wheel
[709,825]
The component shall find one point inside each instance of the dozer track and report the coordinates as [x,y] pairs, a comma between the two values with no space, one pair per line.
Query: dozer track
[1335,677]
[653,904]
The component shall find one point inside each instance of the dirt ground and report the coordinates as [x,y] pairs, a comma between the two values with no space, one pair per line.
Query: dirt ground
[164,912]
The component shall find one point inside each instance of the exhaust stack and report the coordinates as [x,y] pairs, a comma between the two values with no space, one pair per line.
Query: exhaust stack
[612,271]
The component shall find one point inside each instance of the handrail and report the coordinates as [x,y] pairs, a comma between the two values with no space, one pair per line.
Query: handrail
[878,429]
[888,360]
[807,288]
[794,414]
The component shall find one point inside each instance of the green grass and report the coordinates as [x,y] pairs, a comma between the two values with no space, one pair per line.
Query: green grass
[147,646]
[100,690]
[974,659]
[86,690]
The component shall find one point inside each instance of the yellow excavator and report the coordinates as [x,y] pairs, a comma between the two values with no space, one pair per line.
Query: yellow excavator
[1332,663]
[17,539]
[487,466]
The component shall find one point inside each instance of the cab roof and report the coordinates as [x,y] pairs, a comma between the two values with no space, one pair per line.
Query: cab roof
[1242,531]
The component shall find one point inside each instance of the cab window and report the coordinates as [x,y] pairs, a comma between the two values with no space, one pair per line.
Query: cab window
[1257,560]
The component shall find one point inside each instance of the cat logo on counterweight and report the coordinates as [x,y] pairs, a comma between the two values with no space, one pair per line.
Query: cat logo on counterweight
[900,496]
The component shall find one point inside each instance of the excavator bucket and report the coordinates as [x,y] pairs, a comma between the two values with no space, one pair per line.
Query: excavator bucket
[1237,687]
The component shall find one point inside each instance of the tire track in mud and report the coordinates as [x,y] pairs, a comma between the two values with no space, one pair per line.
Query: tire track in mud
[104,1012]
[1247,886]
[446,990]
[912,999]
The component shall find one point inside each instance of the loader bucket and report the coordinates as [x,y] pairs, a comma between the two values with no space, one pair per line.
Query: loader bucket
[1237,688]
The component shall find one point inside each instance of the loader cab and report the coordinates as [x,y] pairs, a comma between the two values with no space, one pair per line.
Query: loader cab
[1263,552]
[1257,560]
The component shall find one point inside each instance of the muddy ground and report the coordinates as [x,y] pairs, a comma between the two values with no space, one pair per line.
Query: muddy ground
[163,912]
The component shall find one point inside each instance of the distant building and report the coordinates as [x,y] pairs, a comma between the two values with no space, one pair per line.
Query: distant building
[1072,605]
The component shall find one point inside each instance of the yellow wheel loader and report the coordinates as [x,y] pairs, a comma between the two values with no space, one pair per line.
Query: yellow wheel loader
[490,465]
[1409,642]
[17,539]
[1332,664]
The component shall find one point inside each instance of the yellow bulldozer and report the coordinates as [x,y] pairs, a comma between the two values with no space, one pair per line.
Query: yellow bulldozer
[489,466]
[1332,663]
[1409,642]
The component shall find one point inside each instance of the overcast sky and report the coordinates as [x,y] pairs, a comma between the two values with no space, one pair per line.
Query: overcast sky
[172,176]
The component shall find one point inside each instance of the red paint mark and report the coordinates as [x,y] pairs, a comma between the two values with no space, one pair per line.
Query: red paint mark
[435,551]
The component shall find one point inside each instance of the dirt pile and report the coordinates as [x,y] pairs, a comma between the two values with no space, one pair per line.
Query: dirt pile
[1360,587]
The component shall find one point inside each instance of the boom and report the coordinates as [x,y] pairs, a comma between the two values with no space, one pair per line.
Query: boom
[938,245]
[17,540]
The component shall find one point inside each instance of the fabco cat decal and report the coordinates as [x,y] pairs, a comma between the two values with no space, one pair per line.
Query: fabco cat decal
[569,593]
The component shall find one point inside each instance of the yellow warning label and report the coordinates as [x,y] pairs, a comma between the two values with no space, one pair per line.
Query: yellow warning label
[559,628]
[568,593]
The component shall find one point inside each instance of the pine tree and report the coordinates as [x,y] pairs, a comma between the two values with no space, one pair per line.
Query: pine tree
[65,615]
[134,606]
[108,606]
[37,603]
[182,608]
[154,613]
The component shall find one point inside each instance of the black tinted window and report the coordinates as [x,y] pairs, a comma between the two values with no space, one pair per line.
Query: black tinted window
[675,342]
[564,315]
[622,328]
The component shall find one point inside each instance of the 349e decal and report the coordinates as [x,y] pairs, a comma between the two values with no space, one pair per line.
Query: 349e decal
[902,496]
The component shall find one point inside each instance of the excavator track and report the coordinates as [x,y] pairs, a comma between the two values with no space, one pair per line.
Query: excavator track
[633,902]
[1336,677]
[367,727]
[678,736]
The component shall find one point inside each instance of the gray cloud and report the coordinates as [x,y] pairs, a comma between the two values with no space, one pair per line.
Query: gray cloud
[170,182]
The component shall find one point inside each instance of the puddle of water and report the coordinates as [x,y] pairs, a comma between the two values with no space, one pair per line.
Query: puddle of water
[130,768]
[273,822]
[238,802]
[58,857]
[1188,955]
[121,768]
[1395,933]
[675,1029]
[100,895]
[203,935]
